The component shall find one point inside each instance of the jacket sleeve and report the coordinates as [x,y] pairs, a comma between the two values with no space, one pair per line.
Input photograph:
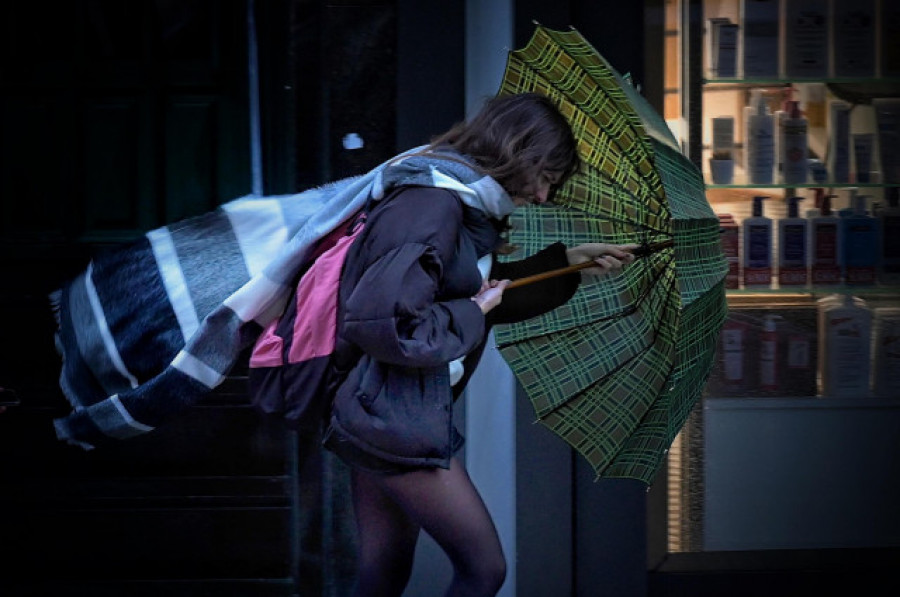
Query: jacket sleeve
[393,312]
[537,298]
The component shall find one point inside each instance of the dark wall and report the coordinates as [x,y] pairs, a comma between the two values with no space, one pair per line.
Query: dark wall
[430,69]
[614,28]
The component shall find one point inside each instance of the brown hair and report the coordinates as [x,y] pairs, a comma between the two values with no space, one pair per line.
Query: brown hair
[514,139]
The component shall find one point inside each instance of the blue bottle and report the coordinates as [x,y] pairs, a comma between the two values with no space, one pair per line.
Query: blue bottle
[757,249]
[860,246]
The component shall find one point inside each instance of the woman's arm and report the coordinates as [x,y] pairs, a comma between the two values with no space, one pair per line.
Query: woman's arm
[535,299]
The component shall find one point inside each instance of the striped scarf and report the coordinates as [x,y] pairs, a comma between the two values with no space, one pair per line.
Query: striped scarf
[150,328]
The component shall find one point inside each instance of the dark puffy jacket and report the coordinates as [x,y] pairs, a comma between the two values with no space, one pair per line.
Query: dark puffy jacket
[405,312]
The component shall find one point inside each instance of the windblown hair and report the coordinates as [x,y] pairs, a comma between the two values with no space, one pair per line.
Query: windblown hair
[514,139]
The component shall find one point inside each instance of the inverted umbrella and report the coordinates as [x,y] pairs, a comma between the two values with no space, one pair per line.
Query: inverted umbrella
[616,371]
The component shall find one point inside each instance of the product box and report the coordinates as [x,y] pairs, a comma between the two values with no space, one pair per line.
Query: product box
[853,38]
[723,48]
[766,352]
[805,39]
[759,50]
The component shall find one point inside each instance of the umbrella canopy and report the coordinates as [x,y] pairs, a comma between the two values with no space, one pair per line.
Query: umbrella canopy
[616,371]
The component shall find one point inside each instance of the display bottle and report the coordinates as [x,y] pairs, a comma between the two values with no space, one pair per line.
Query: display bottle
[768,354]
[825,246]
[886,348]
[757,253]
[793,247]
[889,245]
[729,236]
[860,244]
[759,146]
[793,142]
[845,332]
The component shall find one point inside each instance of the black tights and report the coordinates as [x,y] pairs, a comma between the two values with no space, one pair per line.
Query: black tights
[392,509]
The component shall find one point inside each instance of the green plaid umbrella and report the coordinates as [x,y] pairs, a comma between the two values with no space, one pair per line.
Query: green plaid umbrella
[616,371]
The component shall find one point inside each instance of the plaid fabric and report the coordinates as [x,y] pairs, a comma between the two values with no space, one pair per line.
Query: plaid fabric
[616,371]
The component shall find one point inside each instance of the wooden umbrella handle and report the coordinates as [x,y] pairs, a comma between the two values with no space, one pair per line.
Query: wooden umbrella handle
[641,251]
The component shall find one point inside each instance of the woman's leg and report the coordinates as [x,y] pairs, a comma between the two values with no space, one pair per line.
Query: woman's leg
[386,539]
[447,506]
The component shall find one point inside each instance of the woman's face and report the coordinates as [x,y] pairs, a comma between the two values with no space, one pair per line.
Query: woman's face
[538,192]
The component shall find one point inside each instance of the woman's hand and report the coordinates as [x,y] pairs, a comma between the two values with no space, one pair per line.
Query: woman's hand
[490,295]
[609,258]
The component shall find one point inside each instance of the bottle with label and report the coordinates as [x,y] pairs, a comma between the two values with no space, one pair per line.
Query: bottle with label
[768,355]
[733,355]
[759,144]
[860,245]
[886,346]
[729,233]
[757,254]
[793,142]
[839,141]
[846,326]
[825,246]
[797,349]
[889,263]
[793,246]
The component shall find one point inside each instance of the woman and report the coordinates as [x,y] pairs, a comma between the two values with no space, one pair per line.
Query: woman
[416,304]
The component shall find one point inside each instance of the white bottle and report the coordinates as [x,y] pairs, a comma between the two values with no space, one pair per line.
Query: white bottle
[793,143]
[759,144]
[757,247]
[846,365]
[825,246]
[886,352]
[793,247]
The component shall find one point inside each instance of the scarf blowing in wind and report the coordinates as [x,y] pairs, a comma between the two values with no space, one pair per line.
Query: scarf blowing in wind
[149,329]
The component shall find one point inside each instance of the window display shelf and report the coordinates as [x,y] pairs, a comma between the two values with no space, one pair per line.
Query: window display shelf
[806,185]
[806,293]
[885,82]
[767,430]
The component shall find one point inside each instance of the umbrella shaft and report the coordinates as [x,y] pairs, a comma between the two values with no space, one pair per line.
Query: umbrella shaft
[641,251]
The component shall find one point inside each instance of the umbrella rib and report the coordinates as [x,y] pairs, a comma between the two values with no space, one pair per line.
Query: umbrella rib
[618,220]
[656,335]
[622,104]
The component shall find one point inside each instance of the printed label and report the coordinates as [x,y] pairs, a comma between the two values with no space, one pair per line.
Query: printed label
[826,275]
[758,246]
[767,365]
[733,353]
[729,239]
[825,251]
[860,276]
[792,276]
[793,249]
[757,276]
[798,352]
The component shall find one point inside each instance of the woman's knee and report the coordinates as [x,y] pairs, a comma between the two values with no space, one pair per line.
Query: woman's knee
[483,575]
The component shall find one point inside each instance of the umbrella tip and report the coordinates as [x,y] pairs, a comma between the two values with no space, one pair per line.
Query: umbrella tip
[535,22]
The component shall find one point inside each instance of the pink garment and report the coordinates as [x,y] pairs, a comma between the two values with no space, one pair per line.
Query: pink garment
[316,299]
